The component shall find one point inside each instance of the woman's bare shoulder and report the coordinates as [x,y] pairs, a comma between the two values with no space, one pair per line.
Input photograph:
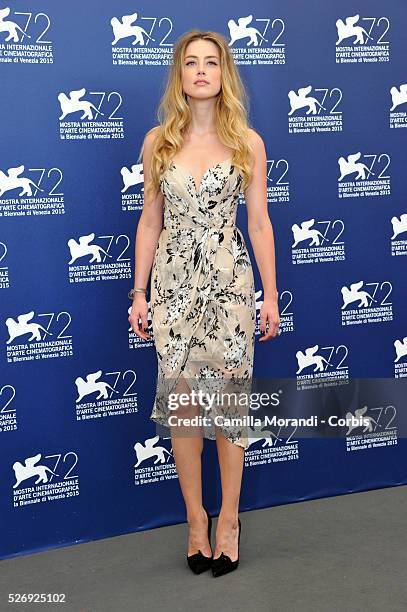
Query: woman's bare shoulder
[152,134]
[255,138]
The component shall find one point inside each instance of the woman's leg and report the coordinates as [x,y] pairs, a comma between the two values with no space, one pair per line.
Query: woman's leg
[231,461]
[187,445]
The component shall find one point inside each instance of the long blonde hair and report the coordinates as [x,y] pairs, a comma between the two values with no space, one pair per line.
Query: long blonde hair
[174,114]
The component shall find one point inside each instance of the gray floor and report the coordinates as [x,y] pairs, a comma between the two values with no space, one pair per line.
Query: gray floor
[345,553]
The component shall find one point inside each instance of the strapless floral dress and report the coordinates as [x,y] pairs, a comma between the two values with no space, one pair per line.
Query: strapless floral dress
[203,300]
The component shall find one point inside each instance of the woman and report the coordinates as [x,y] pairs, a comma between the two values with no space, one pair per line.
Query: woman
[196,162]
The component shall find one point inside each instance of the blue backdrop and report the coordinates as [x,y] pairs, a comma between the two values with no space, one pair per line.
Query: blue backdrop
[80,84]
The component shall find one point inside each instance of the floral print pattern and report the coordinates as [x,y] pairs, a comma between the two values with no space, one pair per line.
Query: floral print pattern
[202,296]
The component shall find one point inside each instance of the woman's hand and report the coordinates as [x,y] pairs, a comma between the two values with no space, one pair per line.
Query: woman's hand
[139,316]
[269,314]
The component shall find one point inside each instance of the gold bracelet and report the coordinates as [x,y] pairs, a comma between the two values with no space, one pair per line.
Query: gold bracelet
[136,290]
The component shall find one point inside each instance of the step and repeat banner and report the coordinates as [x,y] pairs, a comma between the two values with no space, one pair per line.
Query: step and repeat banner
[80,85]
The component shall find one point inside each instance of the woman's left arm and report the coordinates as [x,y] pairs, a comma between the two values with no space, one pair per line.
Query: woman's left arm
[262,238]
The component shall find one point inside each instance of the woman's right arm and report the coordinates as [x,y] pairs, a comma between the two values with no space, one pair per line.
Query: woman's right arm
[148,232]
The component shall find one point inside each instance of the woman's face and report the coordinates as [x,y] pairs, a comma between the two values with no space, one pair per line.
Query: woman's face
[201,63]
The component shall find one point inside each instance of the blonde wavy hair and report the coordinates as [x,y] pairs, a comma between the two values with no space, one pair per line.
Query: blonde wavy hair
[174,114]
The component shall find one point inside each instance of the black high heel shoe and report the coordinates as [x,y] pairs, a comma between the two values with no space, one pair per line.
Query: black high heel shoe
[198,562]
[223,564]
